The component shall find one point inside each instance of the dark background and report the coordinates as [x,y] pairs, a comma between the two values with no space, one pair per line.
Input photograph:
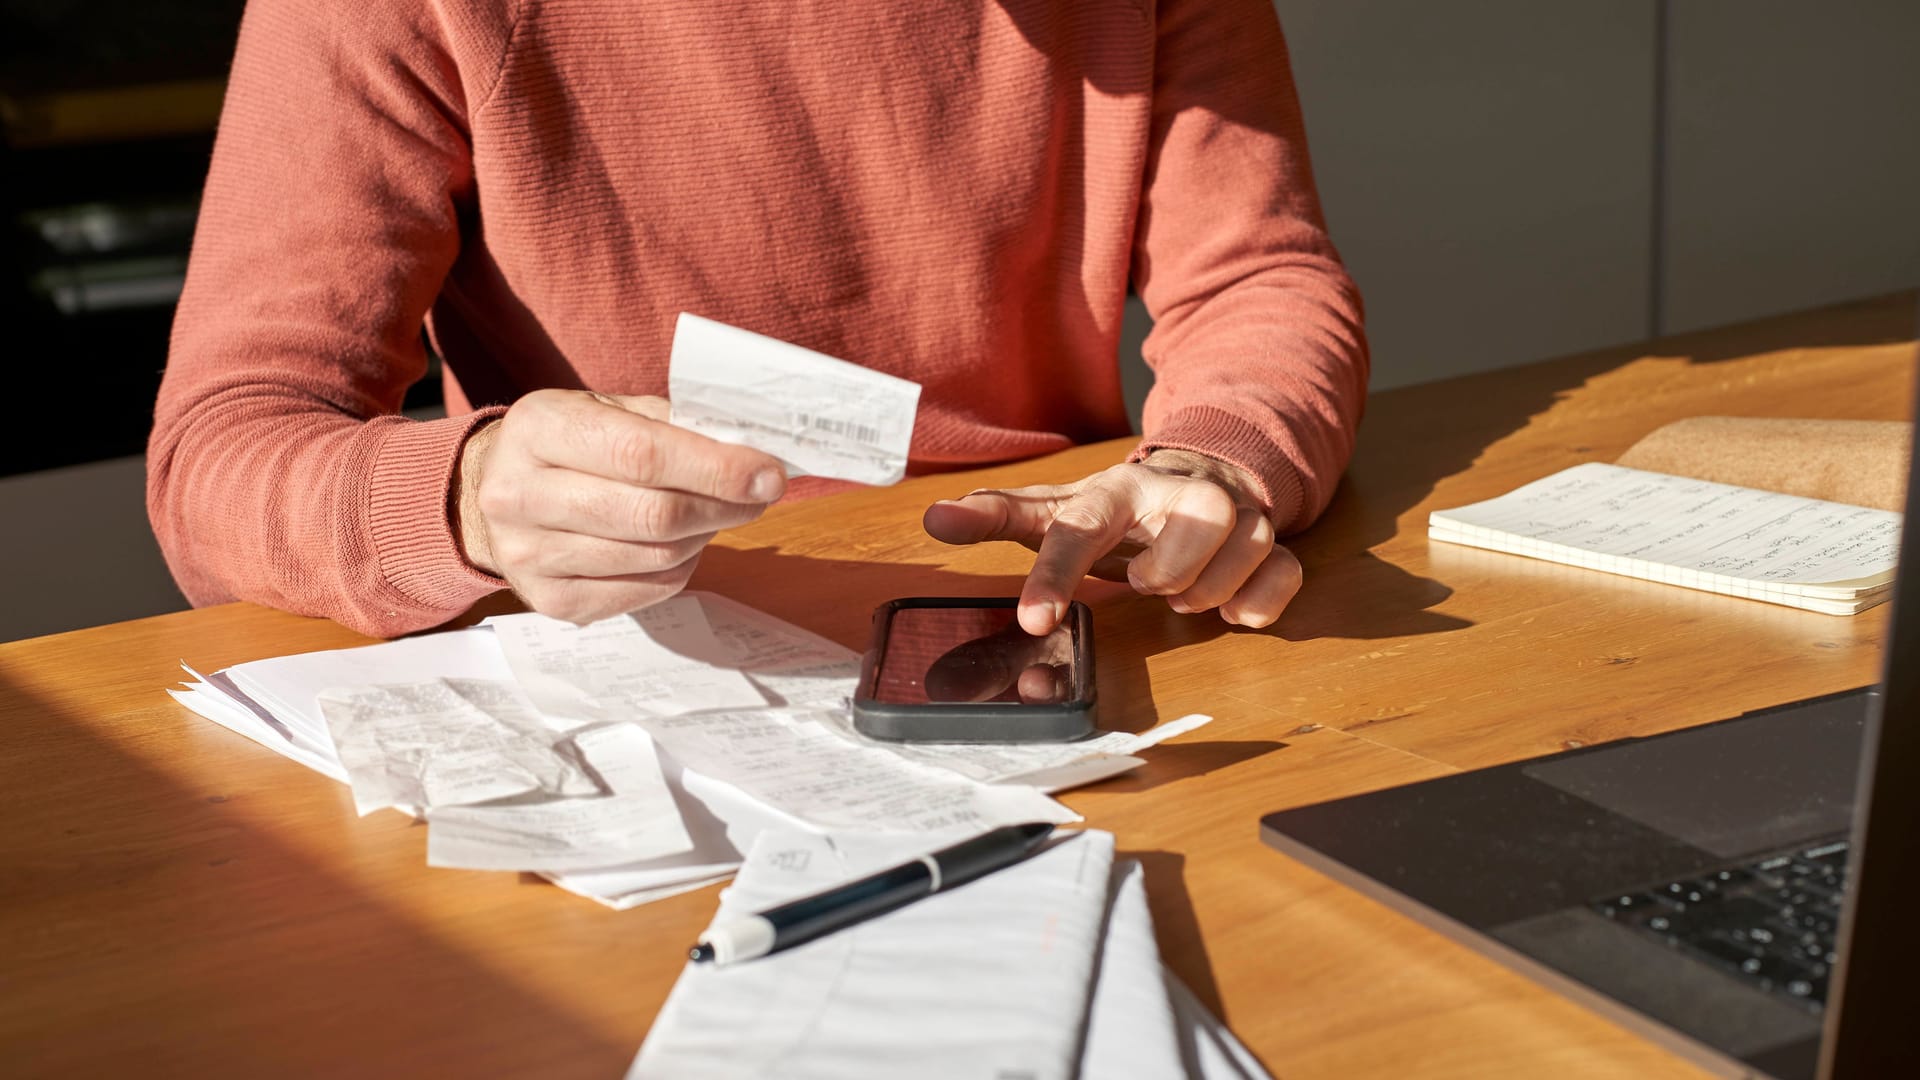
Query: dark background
[109,109]
[103,153]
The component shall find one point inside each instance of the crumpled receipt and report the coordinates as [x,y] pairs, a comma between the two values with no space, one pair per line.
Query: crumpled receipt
[818,415]
[448,742]
[637,820]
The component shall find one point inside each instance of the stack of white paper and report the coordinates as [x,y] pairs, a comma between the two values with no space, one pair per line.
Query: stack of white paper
[480,731]
[277,703]
[1046,969]
[648,829]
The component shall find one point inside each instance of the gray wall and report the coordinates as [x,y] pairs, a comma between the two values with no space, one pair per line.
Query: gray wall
[1510,180]
[78,549]
[1793,155]
[1486,170]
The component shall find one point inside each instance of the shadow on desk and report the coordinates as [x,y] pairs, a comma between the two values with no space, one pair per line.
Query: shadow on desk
[1182,946]
[114,861]
[1173,761]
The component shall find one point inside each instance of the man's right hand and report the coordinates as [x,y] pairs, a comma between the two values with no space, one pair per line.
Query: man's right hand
[590,505]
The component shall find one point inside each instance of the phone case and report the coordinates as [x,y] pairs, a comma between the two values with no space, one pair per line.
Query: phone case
[978,722]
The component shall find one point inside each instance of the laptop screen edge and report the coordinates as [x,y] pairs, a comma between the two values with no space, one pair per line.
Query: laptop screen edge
[1869,1011]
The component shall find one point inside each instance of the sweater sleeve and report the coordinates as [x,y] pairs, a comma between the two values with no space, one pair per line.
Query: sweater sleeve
[1257,348]
[279,468]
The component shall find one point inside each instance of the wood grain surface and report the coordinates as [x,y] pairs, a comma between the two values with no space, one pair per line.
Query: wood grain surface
[178,901]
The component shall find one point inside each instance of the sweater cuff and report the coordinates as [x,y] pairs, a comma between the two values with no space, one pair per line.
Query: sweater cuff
[1220,434]
[407,508]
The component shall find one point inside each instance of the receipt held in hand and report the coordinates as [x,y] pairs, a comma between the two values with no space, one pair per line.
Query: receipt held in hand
[819,415]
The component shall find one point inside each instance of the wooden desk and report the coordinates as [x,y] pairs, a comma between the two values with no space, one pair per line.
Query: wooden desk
[179,901]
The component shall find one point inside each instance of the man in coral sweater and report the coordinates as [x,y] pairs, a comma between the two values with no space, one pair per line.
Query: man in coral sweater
[958,193]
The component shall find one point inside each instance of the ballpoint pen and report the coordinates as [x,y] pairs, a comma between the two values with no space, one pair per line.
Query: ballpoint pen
[809,917]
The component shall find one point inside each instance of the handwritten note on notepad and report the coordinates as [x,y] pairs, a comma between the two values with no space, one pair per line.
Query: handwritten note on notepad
[1764,545]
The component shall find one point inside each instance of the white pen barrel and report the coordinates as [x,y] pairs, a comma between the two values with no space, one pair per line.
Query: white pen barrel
[744,938]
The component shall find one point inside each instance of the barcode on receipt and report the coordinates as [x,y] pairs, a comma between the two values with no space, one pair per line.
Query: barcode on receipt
[865,433]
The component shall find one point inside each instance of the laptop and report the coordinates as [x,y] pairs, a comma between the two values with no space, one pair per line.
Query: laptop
[1709,888]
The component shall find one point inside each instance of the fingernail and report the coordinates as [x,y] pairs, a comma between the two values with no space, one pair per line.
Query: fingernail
[1049,612]
[768,485]
[1180,606]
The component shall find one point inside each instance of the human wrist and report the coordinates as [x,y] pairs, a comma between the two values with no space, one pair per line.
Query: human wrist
[468,524]
[1237,481]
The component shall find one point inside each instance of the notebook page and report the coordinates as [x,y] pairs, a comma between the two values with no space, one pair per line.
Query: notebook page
[1852,604]
[1719,534]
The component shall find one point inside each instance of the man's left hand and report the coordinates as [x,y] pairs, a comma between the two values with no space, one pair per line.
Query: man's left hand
[1179,524]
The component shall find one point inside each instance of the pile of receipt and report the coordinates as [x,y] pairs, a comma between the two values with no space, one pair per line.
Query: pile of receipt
[637,757]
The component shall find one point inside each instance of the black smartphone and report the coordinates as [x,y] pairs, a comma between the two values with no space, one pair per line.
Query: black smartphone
[960,669]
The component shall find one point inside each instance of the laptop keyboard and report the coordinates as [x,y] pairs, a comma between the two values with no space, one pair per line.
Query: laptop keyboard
[1771,922]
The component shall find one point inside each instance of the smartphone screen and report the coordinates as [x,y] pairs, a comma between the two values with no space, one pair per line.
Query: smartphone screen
[954,655]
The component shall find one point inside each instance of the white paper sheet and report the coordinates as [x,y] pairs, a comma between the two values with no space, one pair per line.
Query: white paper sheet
[657,661]
[1131,1029]
[1143,1021]
[721,820]
[216,705]
[1048,766]
[289,687]
[792,762]
[991,979]
[1210,1050]
[786,758]
[592,888]
[636,820]
[819,415]
[448,742]
[790,665]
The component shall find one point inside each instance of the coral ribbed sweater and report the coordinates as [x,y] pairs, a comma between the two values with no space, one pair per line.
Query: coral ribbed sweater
[954,191]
